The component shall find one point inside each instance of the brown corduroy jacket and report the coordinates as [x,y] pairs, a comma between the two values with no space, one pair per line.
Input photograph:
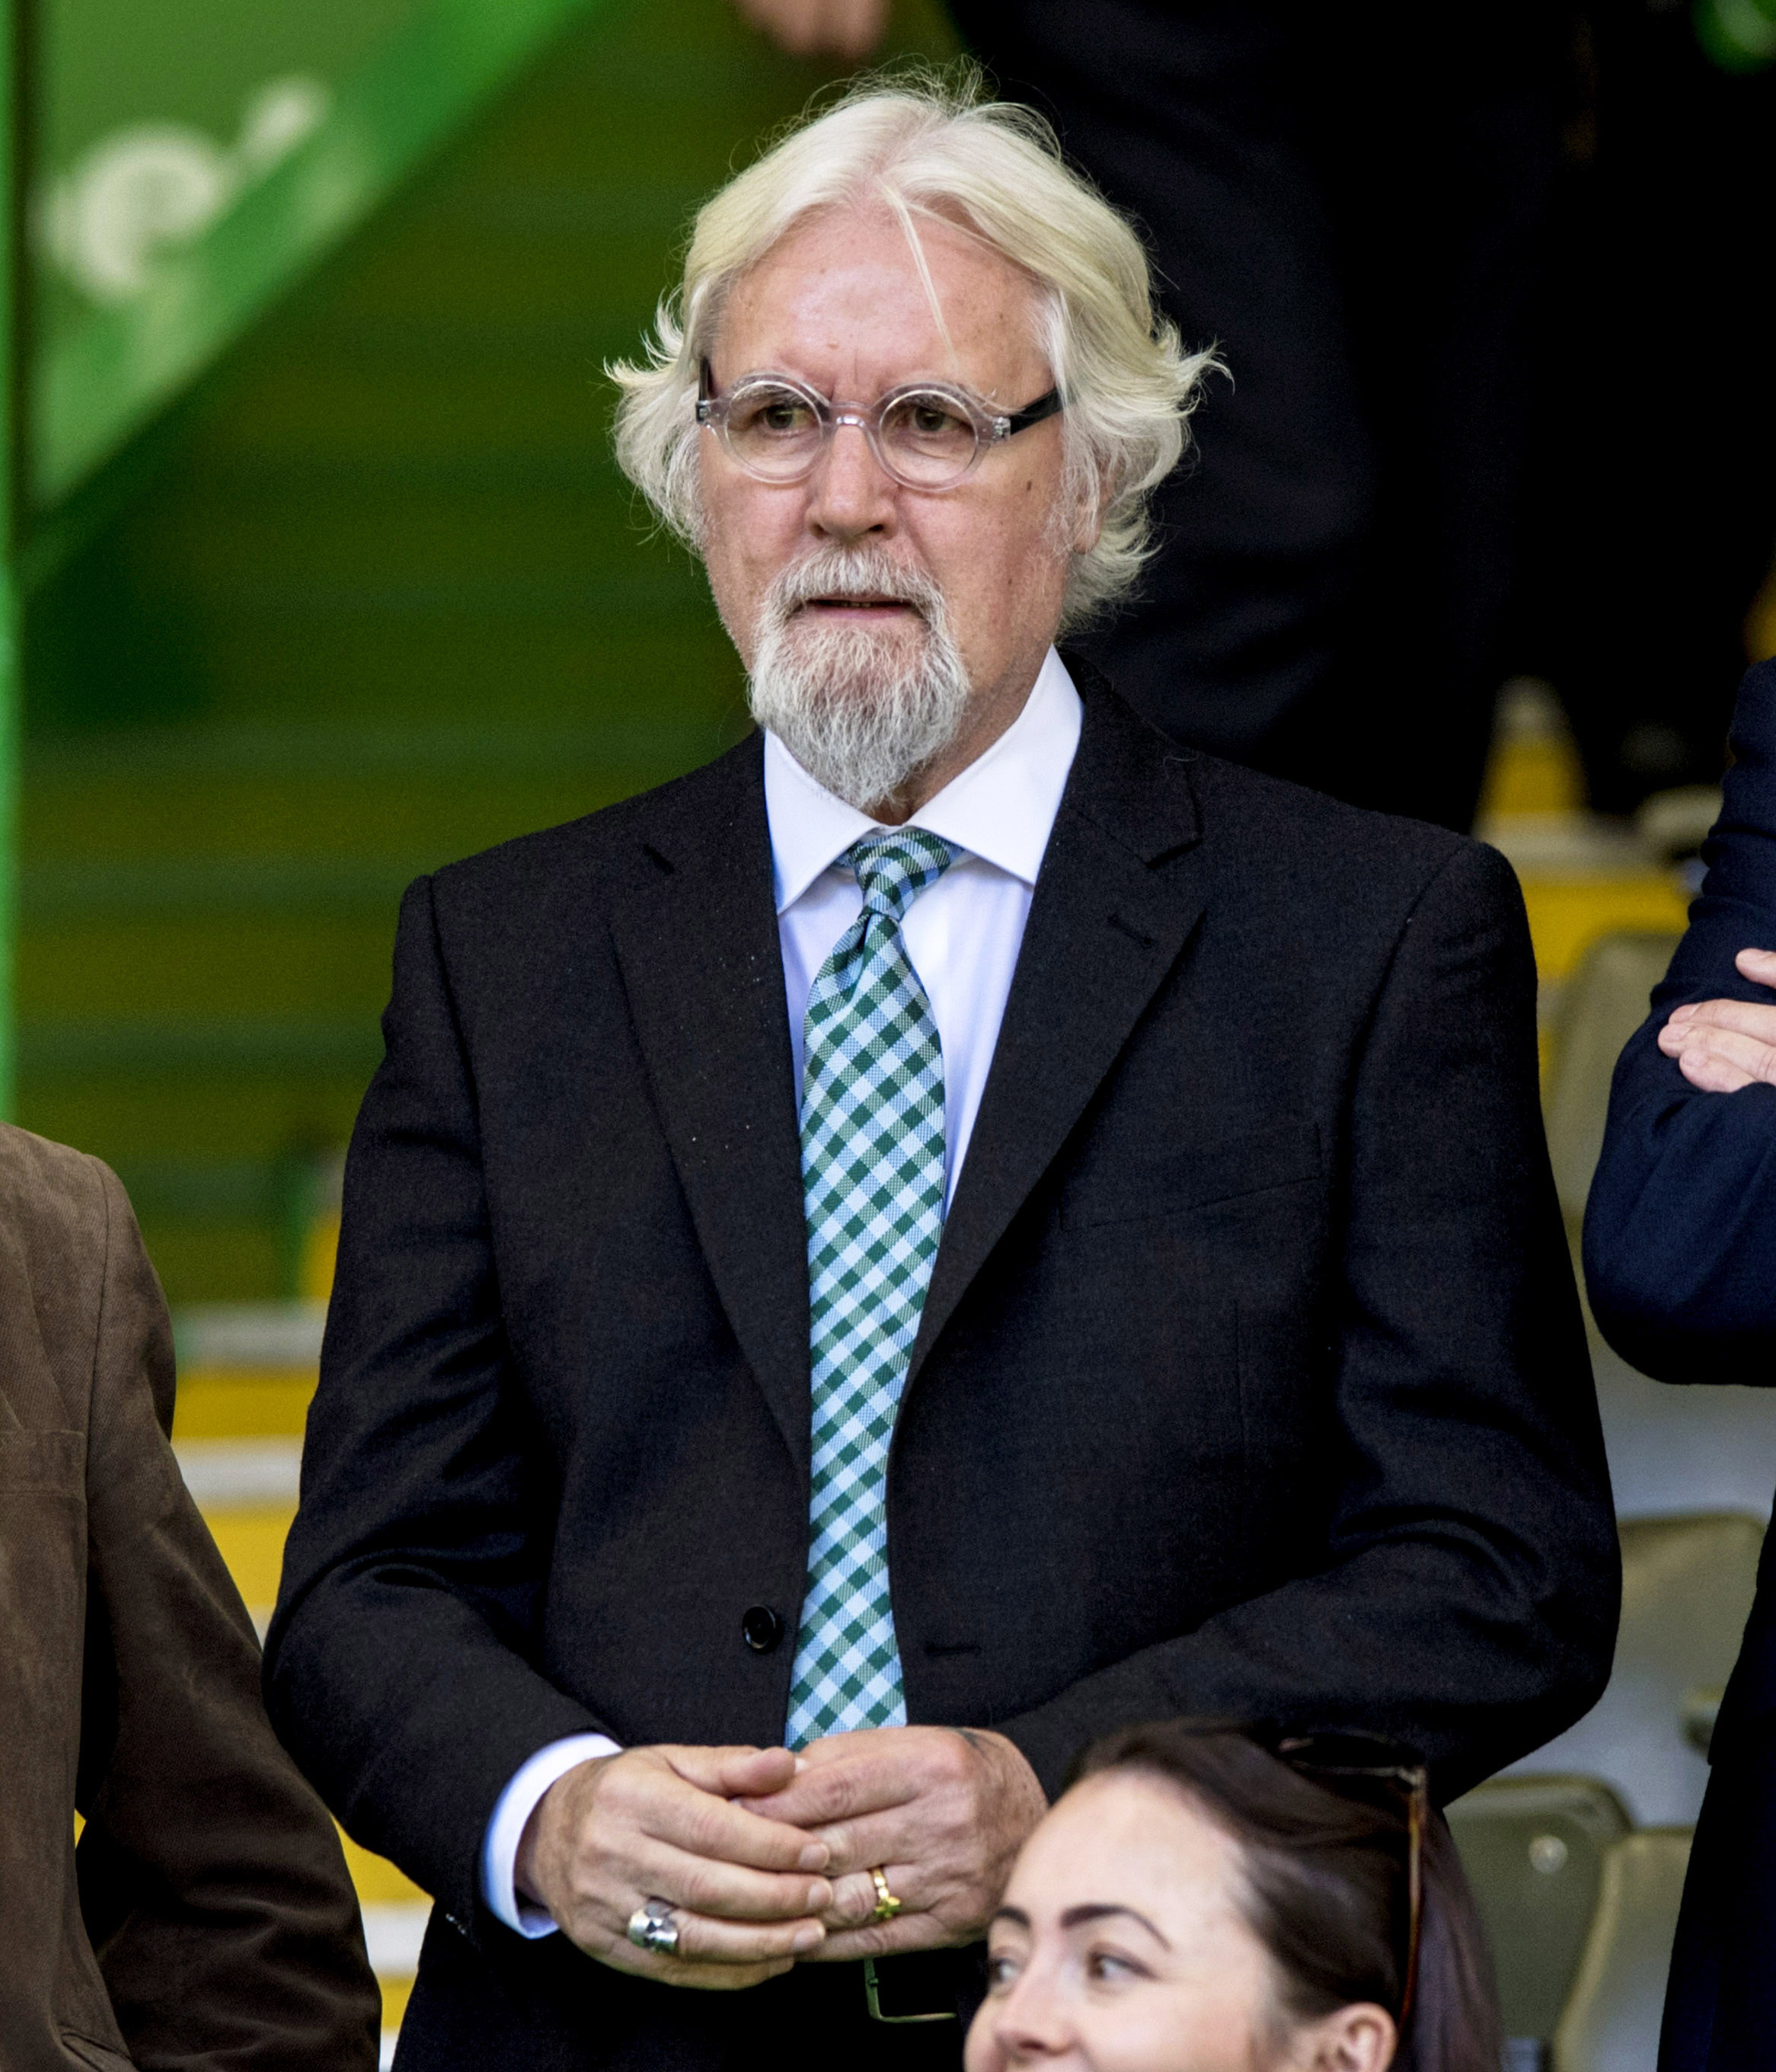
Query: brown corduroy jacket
[209,1924]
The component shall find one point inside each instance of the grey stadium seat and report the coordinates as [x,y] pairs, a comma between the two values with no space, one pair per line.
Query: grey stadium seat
[1604,1003]
[1686,1588]
[1611,2022]
[1534,1850]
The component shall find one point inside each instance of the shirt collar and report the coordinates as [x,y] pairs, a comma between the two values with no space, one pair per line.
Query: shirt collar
[1001,809]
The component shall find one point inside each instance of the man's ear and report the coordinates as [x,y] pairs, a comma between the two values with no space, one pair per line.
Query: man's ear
[1359,2038]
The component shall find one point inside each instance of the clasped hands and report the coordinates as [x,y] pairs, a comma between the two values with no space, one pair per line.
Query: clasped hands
[1723,1045]
[766,1855]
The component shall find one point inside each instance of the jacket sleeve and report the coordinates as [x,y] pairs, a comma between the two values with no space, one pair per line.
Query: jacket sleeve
[1469,1601]
[214,1887]
[397,1667]
[1680,1228]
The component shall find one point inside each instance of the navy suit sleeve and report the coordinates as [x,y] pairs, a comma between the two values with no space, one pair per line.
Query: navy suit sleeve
[397,1667]
[1680,1228]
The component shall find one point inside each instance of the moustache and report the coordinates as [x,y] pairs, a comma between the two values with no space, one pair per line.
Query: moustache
[853,572]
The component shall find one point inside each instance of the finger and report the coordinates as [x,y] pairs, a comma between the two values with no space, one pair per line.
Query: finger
[1756,1060]
[703,1939]
[679,1814]
[717,1978]
[907,1835]
[854,27]
[621,1955]
[704,1885]
[885,1939]
[824,1793]
[1710,1075]
[855,1898]
[795,24]
[1749,1018]
[734,1773]
[1758,965]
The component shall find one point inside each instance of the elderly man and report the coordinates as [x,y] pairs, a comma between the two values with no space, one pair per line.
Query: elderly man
[953,1229]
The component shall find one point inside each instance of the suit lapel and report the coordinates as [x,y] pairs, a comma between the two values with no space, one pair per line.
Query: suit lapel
[1118,896]
[696,939]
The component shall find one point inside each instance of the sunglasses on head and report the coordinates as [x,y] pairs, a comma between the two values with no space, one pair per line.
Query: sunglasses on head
[1365,1766]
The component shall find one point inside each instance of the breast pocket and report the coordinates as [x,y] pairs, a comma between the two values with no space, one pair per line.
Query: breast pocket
[1171,1183]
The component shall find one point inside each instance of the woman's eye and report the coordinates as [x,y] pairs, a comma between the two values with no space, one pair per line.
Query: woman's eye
[1111,1967]
[1002,1969]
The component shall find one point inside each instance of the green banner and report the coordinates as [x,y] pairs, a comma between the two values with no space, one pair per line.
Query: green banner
[161,237]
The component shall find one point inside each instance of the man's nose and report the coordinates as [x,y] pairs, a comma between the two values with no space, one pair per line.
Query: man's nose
[850,493]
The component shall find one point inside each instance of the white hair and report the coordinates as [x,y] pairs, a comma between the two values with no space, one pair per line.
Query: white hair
[933,146]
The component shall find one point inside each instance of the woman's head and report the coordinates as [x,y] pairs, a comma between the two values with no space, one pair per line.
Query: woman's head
[1196,1903]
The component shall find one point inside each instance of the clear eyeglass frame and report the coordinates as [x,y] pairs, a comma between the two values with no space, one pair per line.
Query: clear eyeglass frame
[936,459]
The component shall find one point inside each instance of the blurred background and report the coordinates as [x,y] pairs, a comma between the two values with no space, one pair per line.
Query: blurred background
[318,573]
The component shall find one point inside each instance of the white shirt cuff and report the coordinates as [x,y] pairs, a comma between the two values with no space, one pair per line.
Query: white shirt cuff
[506,1830]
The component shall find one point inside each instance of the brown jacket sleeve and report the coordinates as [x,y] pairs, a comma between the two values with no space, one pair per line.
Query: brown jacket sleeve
[213,1885]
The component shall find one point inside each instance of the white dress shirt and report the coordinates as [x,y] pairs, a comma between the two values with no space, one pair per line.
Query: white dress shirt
[962,935]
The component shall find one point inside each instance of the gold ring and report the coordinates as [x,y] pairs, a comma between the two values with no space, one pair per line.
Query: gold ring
[887,1906]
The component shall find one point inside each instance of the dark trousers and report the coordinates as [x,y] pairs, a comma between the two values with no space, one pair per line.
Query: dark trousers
[1351,203]
[565,2013]
[1720,2004]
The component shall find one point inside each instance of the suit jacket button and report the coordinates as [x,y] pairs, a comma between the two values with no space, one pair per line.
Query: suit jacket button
[761,1629]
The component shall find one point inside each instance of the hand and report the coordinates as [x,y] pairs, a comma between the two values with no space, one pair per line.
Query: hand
[849,28]
[942,1810]
[1723,1045]
[658,1824]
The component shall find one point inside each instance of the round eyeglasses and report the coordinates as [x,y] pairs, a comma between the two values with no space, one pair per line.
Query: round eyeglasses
[926,434]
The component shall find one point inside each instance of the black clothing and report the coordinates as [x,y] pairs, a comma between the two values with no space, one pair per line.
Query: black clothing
[1251,1378]
[1680,1238]
[1649,516]
[1351,204]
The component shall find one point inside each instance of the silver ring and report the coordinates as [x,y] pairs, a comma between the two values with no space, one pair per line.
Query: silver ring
[653,1925]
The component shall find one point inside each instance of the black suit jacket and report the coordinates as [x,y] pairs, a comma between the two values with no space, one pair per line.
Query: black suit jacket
[1680,1260]
[1250,1381]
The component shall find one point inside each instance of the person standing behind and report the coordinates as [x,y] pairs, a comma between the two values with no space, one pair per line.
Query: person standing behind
[1351,205]
[206,1918]
[1680,1262]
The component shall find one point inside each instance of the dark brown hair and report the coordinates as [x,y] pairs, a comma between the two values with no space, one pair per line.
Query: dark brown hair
[1327,1887]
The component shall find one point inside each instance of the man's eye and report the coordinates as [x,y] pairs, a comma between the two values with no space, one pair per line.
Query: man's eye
[779,418]
[929,422]
[766,418]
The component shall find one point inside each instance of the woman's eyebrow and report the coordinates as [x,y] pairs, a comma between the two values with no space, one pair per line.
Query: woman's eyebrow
[1076,1917]
[1015,1915]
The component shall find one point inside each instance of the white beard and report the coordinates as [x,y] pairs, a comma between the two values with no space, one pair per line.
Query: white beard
[858,718]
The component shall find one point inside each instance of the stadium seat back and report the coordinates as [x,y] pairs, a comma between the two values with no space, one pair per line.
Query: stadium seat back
[1534,1849]
[1611,2022]
[1687,1586]
[1604,1003]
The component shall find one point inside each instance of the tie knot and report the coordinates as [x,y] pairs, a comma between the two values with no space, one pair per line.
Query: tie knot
[892,870]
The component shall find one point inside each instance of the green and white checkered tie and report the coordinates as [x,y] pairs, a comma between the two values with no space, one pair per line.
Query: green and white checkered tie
[872,1177]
